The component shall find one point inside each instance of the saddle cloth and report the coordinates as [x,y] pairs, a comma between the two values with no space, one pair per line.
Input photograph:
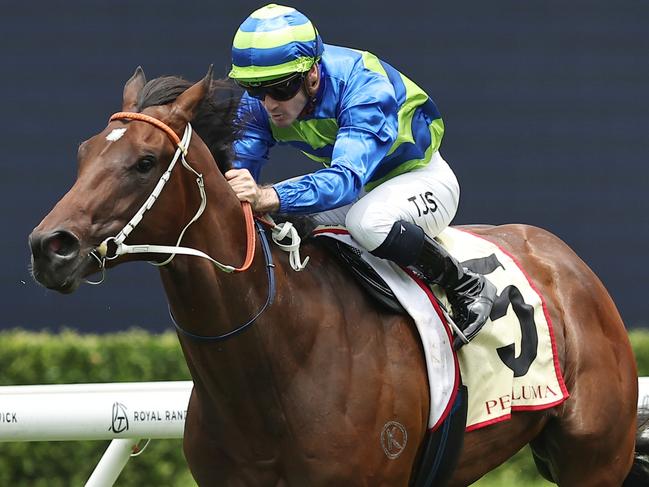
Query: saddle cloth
[510,365]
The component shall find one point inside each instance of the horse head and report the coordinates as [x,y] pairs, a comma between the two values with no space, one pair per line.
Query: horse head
[118,170]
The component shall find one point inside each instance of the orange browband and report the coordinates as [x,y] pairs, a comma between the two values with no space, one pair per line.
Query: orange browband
[147,118]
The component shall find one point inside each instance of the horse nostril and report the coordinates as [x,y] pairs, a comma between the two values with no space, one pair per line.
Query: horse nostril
[58,244]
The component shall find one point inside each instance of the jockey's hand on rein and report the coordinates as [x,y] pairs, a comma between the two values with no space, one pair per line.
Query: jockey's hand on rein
[246,188]
[243,184]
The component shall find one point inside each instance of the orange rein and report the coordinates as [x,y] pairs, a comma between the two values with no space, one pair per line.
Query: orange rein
[250,236]
[245,205]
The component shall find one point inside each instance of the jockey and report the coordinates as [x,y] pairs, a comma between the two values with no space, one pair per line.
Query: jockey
[378,136]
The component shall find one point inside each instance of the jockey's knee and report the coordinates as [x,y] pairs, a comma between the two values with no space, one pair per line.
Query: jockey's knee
[370,225]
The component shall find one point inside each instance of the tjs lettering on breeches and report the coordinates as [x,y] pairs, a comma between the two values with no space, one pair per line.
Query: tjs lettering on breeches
[427,197]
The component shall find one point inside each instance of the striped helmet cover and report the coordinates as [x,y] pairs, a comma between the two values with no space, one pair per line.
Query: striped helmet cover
[274,41]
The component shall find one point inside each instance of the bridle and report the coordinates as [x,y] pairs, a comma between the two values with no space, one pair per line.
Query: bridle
[113,247]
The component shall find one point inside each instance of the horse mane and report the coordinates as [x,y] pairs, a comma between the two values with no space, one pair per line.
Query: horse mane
[215,119]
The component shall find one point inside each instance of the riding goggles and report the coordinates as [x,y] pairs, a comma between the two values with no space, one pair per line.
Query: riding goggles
[280,90]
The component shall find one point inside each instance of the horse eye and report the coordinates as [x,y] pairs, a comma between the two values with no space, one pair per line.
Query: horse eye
[145,164]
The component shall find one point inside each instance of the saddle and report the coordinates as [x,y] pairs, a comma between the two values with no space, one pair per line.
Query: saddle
[367,277]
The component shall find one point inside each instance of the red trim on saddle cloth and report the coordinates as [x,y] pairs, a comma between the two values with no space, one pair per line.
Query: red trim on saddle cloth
[456,385]
[339,231]
[506,417]
[555,357]
[500,419]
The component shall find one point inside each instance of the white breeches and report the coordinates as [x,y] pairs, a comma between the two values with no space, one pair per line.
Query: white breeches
[428,197]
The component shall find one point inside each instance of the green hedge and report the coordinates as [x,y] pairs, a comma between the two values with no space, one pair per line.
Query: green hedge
[41,358]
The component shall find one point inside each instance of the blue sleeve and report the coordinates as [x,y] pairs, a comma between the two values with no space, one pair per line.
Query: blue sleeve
[368,126]
[251,148]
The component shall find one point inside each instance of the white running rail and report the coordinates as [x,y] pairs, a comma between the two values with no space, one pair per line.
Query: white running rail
[123,412]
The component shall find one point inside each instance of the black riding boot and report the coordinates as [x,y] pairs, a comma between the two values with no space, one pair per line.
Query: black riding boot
[471,295]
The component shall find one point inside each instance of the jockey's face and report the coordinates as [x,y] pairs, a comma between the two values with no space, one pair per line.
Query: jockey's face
[284,113]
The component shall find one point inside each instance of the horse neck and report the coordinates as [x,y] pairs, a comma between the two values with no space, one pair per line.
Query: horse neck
[240,377]
[204,300]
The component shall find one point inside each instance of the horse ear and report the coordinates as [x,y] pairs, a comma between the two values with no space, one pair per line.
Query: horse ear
[132,90]
[186,104]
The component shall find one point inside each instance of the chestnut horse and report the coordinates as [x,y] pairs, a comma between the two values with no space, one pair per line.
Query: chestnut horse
[300,398]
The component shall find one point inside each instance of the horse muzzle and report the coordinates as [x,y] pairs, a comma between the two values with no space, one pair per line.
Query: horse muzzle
[56,259]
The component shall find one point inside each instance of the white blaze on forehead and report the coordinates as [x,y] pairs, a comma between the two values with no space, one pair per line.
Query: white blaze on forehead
[116,134]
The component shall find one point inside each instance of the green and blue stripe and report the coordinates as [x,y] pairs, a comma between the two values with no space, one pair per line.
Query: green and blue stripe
[272,42]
